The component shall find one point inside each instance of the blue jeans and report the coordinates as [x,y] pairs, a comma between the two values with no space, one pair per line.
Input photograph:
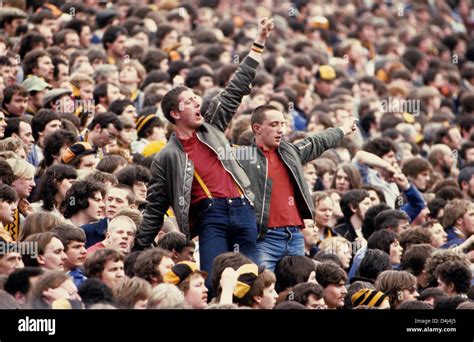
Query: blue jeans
[278,243]
[225,225]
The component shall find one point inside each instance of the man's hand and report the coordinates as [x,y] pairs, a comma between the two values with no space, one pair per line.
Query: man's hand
[265,26]
[402,181]
[349,125]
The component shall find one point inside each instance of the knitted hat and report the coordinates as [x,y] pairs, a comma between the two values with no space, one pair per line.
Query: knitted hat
[326,73]
[181,271]
[371,298]
[246,276]
[143,121]
[78,149]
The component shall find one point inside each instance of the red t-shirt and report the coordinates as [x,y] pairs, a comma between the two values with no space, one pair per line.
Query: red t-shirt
[207,164]
[283,209]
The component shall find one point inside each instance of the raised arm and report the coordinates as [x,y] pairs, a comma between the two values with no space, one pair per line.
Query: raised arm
[223,108]
[313,146]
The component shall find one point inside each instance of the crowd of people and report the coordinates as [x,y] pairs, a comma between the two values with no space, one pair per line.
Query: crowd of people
[265,154]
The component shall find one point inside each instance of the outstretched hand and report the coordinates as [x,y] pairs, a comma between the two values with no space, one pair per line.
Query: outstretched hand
[265,26]
[349,125]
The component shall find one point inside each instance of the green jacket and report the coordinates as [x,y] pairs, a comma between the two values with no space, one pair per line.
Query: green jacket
[294,156]
[172,172]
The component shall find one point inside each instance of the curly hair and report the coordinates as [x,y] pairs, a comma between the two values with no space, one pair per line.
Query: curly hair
[53,143]
[49,183]
[95,263]
[146,266]
[456,273]
[77,197]
[439,257]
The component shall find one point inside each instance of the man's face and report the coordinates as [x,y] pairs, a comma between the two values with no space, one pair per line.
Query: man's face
[25,134]
[187,254]
[36,100]
[342,181]
[468,223]
[438,235]
[129,75]
[345,255]
[113,93]
[105,136]
[130,112]
[189,112]
[113,274]
[53,257]
[118,47]
[122,237]
[10,262]
[23,186]
[165,265]
[63,73]
[86,91]
[7,212]
[51,127]
[96,206]
[367,90]
[324,88]
[140,189]
[323,213]
[72,39]
[469,155]
[269,298]
[374,198]
[196,296]
[422,180]
[402,226]
[205,83]
[310,233]
[396,251]
[85,37]
[315,303]
[272,129]
[334,295]
[310,175]
[468,187]
[390,158]
[363,207]
[47,33]
[88,162]
[115,201]
[76,255]
[18,104]
[8,75]
[3,124]
[44,68]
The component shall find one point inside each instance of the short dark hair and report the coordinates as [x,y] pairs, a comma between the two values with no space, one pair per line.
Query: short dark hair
[390,218]
[68,233]
[11,90]
[111,35]
[13,126]
[373,263]
[19,280]
[465,175]
[31,60]
[105,119]
[369,226]
[118,106]
[352,198]
[95,263]
[94,291]
[414,236]
[174,241]
[382,239]
[146,266]
[170,102]
[54,142]
[41,119]
[414,166]
[258,114]
[456,273]
[110,163]
[7,194]
[301,292]
[414,258]
[132,174]
[77,197]
[330,274]
[194,75]
[379,146]
[6,173]
[292,270]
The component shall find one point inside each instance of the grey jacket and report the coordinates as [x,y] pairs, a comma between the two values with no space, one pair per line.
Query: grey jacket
[172,172]
[294,156]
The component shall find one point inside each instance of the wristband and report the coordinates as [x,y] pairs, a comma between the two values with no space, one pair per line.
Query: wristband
[259,45]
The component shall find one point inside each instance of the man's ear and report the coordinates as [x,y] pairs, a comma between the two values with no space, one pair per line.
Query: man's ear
[107,235]
[175,115]
[133,206]
[257,299]
[450,287]
[14,135]
[97,127]
[352,208]
[40,259]
[256,128]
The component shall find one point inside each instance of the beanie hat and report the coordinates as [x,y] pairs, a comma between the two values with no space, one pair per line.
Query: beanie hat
[144,121]
[181,271]
[246,276]
[371,298]
[326,73]
[78,149]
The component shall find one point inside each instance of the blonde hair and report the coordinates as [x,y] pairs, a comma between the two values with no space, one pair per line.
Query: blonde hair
[165,296]
[11,144]
[78,79]
[21,168]
[114,225]
[133,214]
[391,282]
[333,244]
[454,210]
[141,72]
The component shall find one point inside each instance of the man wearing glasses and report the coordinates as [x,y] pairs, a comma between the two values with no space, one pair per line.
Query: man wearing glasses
[101,132]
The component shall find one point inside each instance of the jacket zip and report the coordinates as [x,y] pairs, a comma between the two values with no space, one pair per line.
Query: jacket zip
[235,180]
[184,178]
[264,193]
[296,179]
[215,111]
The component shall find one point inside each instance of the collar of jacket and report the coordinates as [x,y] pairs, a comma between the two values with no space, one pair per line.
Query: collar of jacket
[174,137]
